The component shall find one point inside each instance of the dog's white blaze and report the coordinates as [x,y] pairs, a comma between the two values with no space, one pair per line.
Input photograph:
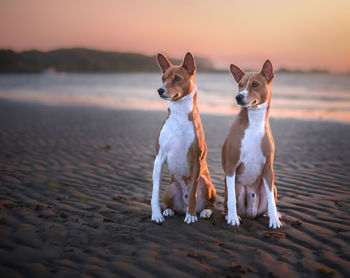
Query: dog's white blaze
[274,222]
[245,92]
[251,153]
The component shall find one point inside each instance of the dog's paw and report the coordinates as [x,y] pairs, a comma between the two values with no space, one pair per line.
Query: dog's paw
[274,222]
[157,216]
[168,212]
[206,213]
[190,218]
[233,219]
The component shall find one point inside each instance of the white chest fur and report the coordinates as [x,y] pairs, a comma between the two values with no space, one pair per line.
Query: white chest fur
[251,153]
[177,135]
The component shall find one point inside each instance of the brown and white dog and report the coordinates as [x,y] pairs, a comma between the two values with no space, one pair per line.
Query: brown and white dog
[248,151]
[182,146]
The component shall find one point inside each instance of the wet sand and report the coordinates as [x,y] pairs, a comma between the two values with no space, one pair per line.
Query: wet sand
[75,191]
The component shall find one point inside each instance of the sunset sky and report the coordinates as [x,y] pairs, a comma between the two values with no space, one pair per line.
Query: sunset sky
[295,34]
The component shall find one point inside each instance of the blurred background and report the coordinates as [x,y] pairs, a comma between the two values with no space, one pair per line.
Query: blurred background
[102,53]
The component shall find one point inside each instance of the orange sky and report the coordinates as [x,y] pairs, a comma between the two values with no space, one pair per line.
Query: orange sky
[297,34]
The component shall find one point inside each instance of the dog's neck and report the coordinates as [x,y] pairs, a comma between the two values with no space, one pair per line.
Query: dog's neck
[257,116]
[183,106]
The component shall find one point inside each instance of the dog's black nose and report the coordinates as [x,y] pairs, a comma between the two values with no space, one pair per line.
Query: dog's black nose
[239,98]
[161,91]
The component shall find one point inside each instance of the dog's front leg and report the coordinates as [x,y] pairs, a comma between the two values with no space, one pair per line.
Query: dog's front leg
[191,216]
[232,217]
[268,179]
[157,173]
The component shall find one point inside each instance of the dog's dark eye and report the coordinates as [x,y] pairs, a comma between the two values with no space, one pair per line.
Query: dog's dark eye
[240,85]
[163,79]
[177,78]
[255,84]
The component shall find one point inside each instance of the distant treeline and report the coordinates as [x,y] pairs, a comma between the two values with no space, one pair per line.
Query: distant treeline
[286,70]
[83,60]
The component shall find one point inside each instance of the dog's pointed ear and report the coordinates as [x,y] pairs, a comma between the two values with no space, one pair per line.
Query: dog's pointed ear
[267,71]
[236,72]
[189,63]
[163,62]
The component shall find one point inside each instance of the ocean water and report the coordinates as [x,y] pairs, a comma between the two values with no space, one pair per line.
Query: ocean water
[315,96]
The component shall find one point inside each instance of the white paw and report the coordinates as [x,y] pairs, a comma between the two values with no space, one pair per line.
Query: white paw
[157,216]
[190,218]
[233,219]
[206,213]
[274,222]
[168,212]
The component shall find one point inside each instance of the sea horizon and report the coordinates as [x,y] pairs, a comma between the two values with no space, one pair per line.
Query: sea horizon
[295,95]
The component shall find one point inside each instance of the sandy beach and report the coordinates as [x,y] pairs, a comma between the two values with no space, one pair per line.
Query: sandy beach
[75,191]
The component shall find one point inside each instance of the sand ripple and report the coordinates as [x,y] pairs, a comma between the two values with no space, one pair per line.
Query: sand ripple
[76,188]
